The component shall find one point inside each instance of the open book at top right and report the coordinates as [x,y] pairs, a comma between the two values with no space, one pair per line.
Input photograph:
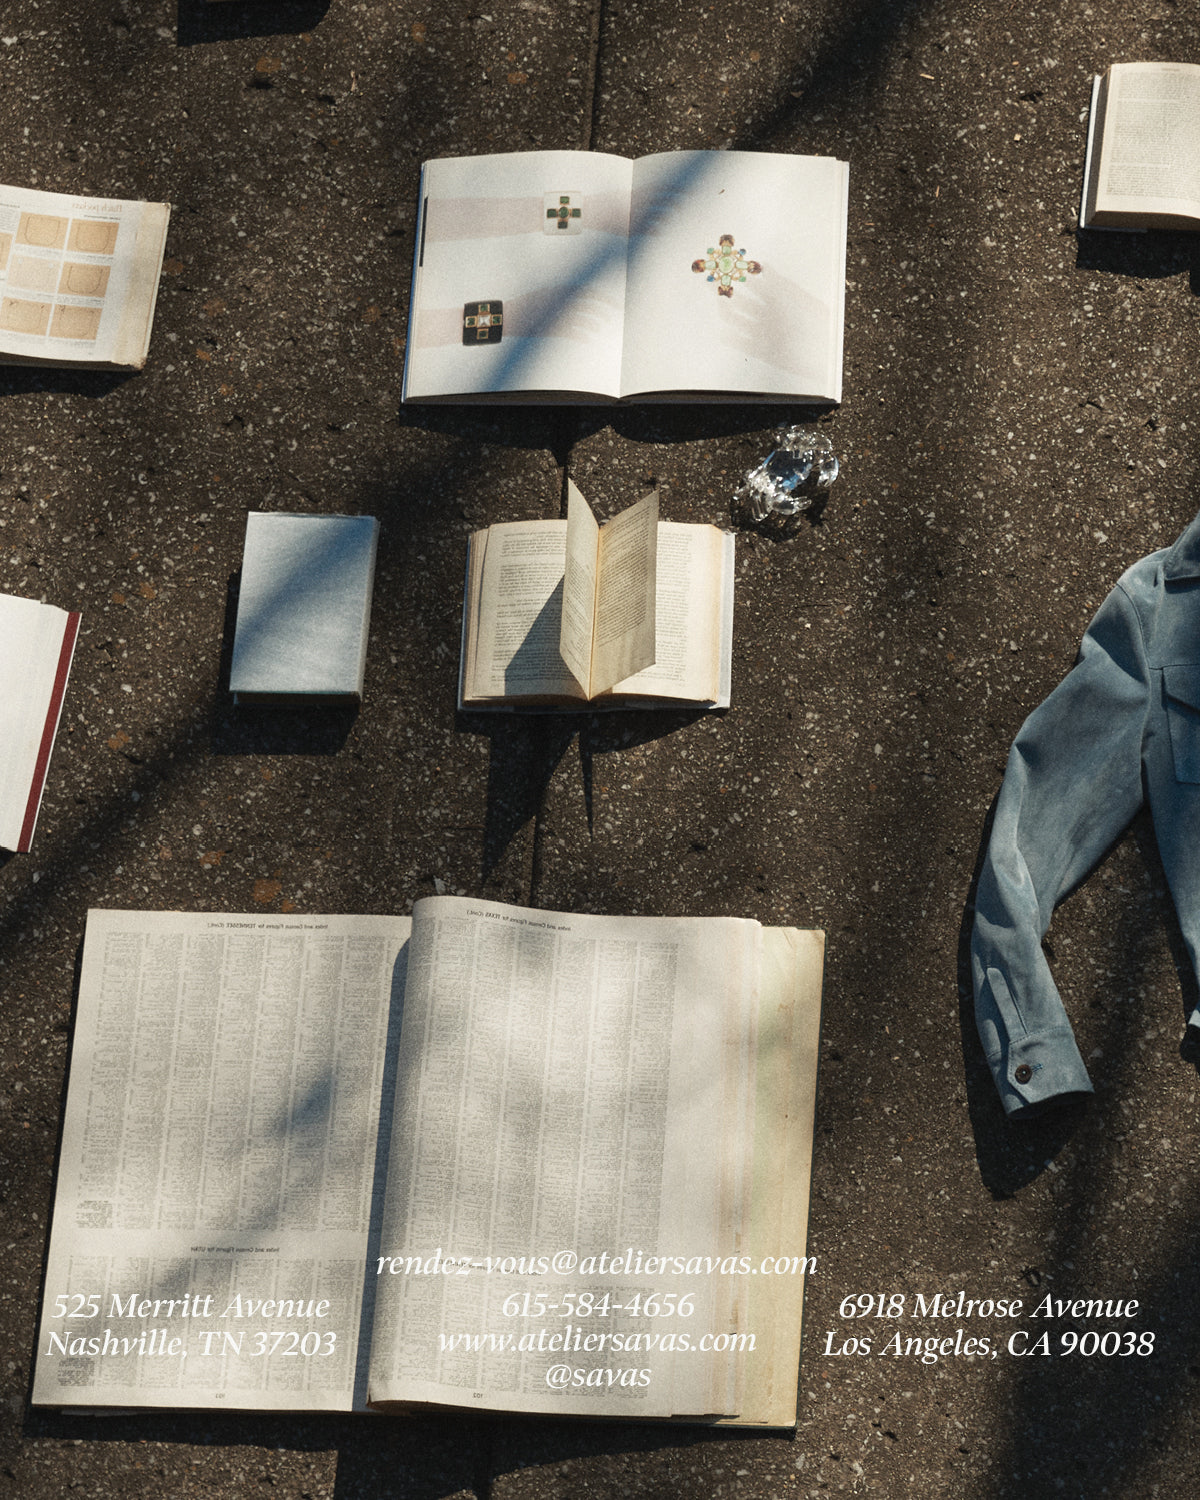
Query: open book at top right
[1142,170]
[560,276]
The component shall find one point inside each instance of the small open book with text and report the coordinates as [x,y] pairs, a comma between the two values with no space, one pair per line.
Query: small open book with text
[485,1157]
[1140,169]
[637,613]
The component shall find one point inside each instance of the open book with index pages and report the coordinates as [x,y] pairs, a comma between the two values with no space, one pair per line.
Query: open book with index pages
[486,1157]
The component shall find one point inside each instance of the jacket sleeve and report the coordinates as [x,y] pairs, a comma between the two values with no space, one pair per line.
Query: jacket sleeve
[1072,783]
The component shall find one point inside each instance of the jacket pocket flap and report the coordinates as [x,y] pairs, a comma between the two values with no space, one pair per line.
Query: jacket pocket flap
[1182,683]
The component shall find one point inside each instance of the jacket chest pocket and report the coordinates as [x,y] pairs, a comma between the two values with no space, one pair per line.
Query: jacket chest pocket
[1181,689]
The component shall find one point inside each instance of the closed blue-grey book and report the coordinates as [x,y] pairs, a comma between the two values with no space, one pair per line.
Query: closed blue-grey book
[304,608]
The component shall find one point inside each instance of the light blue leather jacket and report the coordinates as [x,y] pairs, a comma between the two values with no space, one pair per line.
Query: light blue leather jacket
[1122,728]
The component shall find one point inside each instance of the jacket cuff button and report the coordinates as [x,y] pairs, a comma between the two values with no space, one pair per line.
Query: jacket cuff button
[1024,1073]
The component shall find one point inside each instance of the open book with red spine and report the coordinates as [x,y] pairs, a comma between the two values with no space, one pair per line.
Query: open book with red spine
[39,642]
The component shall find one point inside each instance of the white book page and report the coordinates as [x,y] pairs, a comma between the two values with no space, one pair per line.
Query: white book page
[552,299]
[218,1167]
[688,616]
[71,270]
[764,312]
[625,638]
[1150,152]
[579,588]
[565,1085]
[32,636]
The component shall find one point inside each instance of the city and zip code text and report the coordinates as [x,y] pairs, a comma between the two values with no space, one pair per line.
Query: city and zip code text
[1022,1342]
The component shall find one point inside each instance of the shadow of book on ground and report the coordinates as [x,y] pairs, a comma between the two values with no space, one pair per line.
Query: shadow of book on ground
[25,380]
[1149,254]
[268,728]
[201,21]
[527,748]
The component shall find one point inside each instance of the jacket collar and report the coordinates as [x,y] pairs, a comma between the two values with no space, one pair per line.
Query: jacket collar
[1183,559]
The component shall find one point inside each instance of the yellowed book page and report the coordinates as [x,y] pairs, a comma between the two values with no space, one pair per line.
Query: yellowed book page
[625,595]
[137,314]
[560,1144]
[739,1058]
[687,624]
[520,613]
[776,1243]
[579,589]
[1150,151]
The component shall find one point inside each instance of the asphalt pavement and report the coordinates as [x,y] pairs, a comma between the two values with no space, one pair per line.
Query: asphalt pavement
[1015,430]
